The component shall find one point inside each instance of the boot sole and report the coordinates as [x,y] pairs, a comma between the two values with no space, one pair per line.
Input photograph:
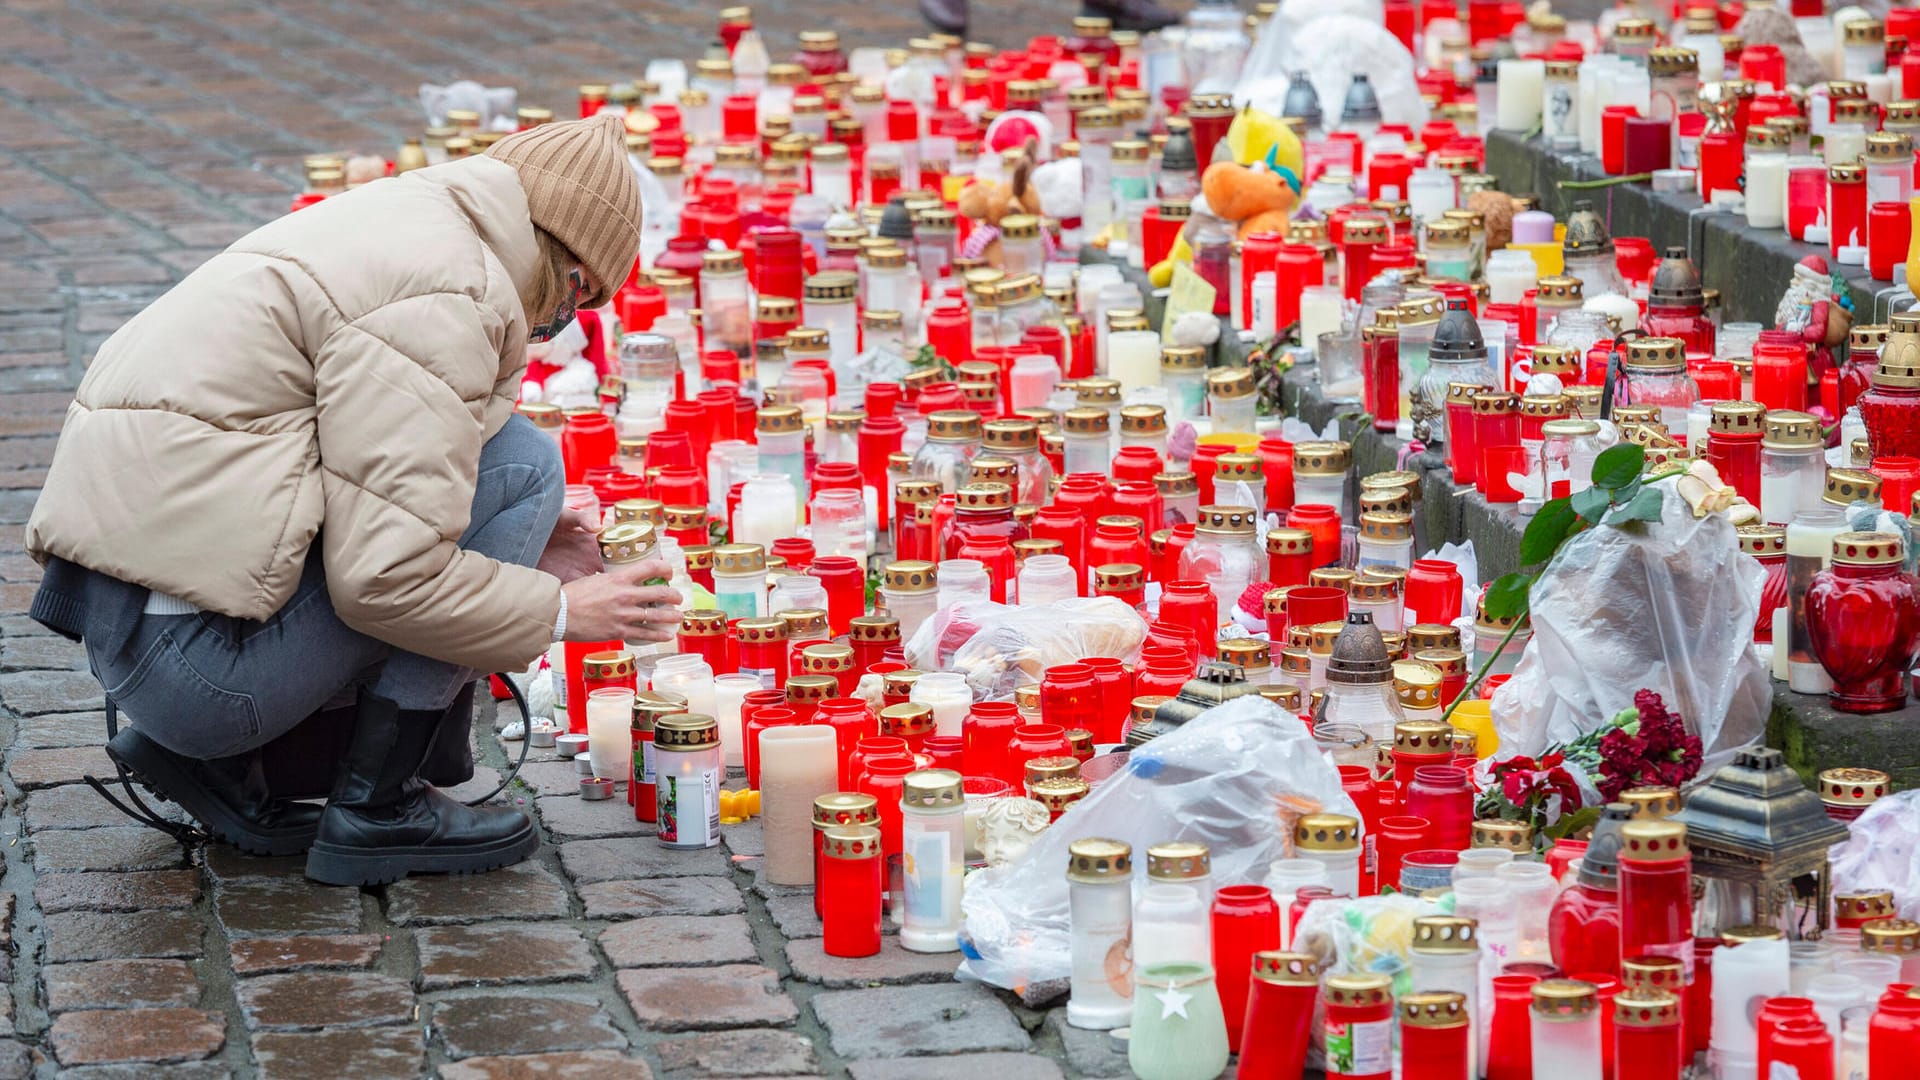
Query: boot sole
[161,777]
[330,864]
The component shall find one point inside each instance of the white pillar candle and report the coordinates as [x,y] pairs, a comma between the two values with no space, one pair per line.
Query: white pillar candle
[933,838]
[1744,975]
[948,695]
[688,675]
[610,731]
[1566,1048]
[1766,190]
[729,694]
[798,764]
[1100,916]
[1133,357]
[1521,86]
[1322,311]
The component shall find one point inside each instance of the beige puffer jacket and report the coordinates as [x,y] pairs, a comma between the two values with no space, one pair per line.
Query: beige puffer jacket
[338,368]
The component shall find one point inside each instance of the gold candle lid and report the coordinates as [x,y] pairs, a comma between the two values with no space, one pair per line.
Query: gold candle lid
[1251,654]
[1433,636]
[1096,860]
[1178,860]
[803,623]
[1059,793]
[761,631]
[899,683]
[647,510]
[613,664]
[910,576]
[650,705]
[1514,836]
[704,622]
[1762,540]
[1890,936]
[1653,841]
[629,541]
[880,629]
[851,842]
[1358,990]
[1285,695]
[907,720]
[1433,1009]
[1853,786]
[1651,972]
[931,789]
[1327,832]
[1141,709]
[1451,662]
[1333,577]
[1740,935]
[1645,1007]
[1424,737]
[837,808]
[1652,802]
[1848,486]
[739,559]
[1465,742]
[1322,458]
[812,688]
[1864,906]
[1867,549]
[1050,768]
[1280,968]
[685,731]
[1564,999]
[1445,934]
[1289,541]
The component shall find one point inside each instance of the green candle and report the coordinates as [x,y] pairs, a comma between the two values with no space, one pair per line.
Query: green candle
[1178,1031]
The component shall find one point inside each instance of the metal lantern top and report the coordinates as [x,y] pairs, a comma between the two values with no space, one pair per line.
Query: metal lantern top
[1215,684]
[1756,826]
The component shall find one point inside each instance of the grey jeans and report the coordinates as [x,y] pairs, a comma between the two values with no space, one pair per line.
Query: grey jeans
[206,685]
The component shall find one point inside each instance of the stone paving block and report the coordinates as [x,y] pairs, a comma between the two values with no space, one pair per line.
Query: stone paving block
[1089,1053]
[276,906]
[53,730]
[497,1024]
[959,1067]
[391,1053]
[667,896]
[77,806]
[158,1036]
[768,890]
[89,935]
[680,941]
[30,693]
[131,847]
[571,1065]
[740,1053]
[324,999]
[258,956]
[903,1021]
[197,1070]
[483,781]
[706,999]
[119,984]
[891,965]
[62,765]
[547,778]
[43,653]
[745,839]
[794,916]
[455,956]
[227,863]
[522,892]
[570,817]
[588,861]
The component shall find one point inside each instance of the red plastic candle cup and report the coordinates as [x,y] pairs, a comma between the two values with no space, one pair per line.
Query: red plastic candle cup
[1648,1035]
[1764,63]
[1245,921]
[767,716]
[1396,836]
[1323,522]
[1722,156]
[1443,795]
[1899,479]
[850,889]
[1656,893]
[1277,1025]
[1780,370]
[1613,138]
[1257,253]
[846,586]
[1310,605]
[1806,197]
[1889,232]
[1436,1037]
[1360,1007]
[1137,464]
[1718,380]
[947,751]
[1649,146]
[1510,1035]
[1192,605]
[1846,208]
[1115,686]
[1498,465]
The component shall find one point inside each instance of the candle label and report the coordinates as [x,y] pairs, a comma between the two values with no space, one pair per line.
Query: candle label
[1359,1049]
[925,864]
[643,766]
[694,825]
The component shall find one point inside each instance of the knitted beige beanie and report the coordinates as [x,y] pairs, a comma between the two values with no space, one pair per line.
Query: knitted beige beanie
[581,188]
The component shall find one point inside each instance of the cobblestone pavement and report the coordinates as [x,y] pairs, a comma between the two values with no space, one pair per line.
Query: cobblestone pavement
[136,138]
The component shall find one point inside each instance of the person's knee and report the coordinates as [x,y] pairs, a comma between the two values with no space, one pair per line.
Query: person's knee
[520,442]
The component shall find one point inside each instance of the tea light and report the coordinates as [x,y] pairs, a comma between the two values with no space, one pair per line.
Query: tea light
[571,745]
[542,738]
[596,788]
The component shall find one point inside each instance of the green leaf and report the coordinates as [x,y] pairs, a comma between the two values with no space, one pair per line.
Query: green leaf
[1572,823]
[1546,532]
[1592,503]
[1618,466]
[1507,596]
[1644,507]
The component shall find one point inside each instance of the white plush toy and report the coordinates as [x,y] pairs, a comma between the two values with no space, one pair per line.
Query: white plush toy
[495,104]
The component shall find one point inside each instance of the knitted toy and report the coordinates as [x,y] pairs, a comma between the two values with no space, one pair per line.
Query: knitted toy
[987,202]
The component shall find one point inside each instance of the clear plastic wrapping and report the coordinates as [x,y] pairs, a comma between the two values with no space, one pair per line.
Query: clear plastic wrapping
[999,648]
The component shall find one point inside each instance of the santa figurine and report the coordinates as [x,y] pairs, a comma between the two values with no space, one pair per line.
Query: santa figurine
[1817,309]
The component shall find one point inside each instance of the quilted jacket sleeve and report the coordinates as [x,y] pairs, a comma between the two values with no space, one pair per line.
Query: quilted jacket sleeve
[402,394]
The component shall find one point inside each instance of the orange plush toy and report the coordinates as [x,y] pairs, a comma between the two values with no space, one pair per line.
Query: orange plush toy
[987,203]
[1255,200]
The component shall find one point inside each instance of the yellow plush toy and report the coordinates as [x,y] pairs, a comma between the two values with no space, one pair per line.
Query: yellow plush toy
[1257,191]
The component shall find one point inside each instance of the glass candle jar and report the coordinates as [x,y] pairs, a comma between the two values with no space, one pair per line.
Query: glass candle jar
[1810,539]
[908,591]
[1733,445]
[932,817]
[740,580]
[953,440]
[1655,373]
[1223,554]
[1793,469]
[1231,401]
[1089,446]
[1170,926]
[689,773]
[1862,622]
[1178,1031]
[1100,902]
[1333,840]
[1183,373]
[1443,796]
[1320,479]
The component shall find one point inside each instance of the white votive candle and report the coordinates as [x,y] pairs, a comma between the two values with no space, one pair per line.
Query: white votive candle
[1133,358]
[948,695]
[610,731]
[797,766]
[1322,311]
[1521,86]
[729,694]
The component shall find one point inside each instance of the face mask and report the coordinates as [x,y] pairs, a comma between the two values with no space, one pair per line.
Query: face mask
[577,289]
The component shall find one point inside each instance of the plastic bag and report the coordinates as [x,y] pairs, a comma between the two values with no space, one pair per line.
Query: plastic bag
[1235,778]
[1882,853]
[1667,606]
[999,648]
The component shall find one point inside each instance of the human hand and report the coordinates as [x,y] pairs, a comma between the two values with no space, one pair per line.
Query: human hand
[573,551]
[619,604]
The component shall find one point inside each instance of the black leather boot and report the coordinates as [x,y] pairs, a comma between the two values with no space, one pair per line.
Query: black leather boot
[947,16]
[228,796]
[384,822]
[1144,16]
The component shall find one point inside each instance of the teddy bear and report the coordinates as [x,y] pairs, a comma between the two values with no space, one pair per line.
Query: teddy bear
[988,202]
